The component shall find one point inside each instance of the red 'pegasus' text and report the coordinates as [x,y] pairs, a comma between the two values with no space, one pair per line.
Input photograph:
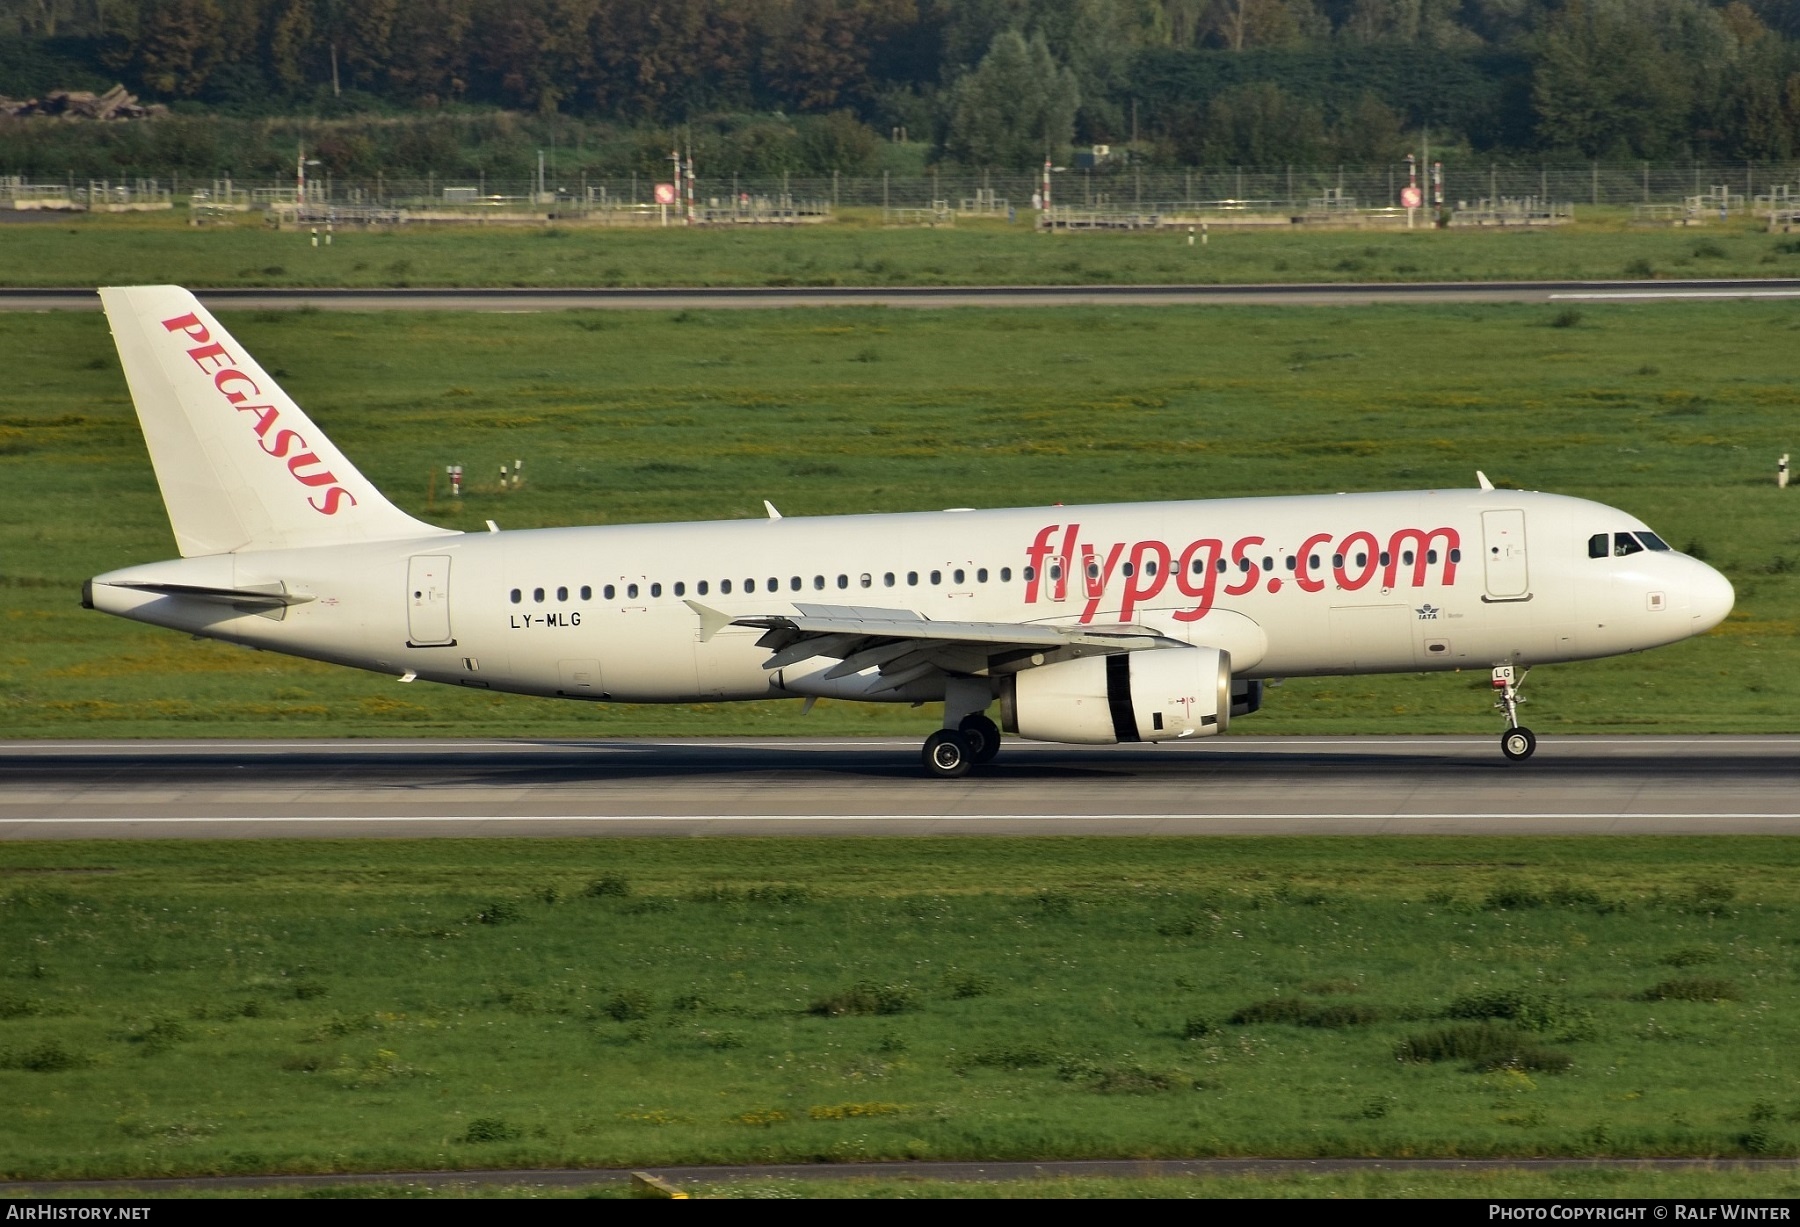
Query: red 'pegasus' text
[240,390]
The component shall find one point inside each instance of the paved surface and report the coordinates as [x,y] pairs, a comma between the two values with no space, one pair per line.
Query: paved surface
[1298,295]
[1236,785]
[1047,1169]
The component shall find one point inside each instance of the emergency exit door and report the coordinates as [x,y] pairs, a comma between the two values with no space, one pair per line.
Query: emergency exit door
[428,601]
[1503,536]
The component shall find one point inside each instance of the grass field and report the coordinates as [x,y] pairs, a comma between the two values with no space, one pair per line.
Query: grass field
[1725,1178]
[1672,412]
[180,1008]
[152,248]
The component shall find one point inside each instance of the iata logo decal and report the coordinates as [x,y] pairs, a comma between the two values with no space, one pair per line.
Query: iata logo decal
[1428,612]
[1198,570]
[238,389]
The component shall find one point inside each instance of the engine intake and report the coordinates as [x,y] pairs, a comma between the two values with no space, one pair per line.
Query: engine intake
[1164,694]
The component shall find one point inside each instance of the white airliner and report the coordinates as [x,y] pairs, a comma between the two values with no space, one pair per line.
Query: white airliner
[1101,624]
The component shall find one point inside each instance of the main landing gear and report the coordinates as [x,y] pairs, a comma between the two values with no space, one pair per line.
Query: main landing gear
[968,738]
[949,753]
[1517,742]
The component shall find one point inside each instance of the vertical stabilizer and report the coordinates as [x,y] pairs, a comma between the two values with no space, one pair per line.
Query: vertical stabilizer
[240,466]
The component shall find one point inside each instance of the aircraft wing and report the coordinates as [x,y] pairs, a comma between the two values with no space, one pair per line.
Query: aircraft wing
[905,646]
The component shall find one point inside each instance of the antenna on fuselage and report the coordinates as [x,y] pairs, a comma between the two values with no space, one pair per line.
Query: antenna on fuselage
[770,508]
[1483,479]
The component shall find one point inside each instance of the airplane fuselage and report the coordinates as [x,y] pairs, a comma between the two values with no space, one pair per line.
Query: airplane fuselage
[1288,586]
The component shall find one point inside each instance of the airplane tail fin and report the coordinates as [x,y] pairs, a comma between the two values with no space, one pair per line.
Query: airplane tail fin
[240,465]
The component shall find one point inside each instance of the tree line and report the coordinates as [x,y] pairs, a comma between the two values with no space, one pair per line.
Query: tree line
[1002,83]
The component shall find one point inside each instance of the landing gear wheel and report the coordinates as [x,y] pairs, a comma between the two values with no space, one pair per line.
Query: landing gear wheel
[983,736]
[1518,744]
[947,754]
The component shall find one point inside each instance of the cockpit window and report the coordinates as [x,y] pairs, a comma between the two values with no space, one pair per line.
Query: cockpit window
[1625,543]
[1599,545]
[1652,540]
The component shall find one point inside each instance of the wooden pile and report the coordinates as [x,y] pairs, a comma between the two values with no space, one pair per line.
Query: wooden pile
[115,103]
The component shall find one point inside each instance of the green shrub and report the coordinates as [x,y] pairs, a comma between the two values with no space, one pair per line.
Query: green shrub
[1273,1010]
[1512,898]
[491,1129]
[49,1057]
[1298,1011]
[628,1005]
[1692,988]
[611,886]
[865,998]
[500,912]
[1485,1046]
[1197,1029]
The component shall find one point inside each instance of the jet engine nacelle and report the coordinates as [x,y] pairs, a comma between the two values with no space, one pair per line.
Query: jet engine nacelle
[1158,695]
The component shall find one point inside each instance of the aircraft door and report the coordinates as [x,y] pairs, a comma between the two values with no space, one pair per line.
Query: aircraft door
[428,601]
[1503,534]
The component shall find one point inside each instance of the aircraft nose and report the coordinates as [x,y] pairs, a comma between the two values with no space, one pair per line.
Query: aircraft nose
[1710,597]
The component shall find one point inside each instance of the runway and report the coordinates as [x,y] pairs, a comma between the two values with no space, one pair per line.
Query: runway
[752,297]
[1359,786]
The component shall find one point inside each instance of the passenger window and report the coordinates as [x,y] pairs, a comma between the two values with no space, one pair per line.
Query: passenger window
[700,588]
[1430,555]
[794,584]
[937,577]
[1292,562]
[1243,565]
[1384,557]
[1456,555]
[865,580]
[887,581]
[1406,556]
[1652,540]
[631,592]
[609,592]
[517,596]
[1056,570]
[774,584]
[1006,575]
[749,585]
[1337,560]
[957,575]
[1220,568]
[981,575]
[724,587]
[1625,543]
[1362,558]
[1093,570]
[1269,563]
[819,582]
[843,581]
[1030,573]
[912,579]
[680,588]
[562,594]
[655,589]
[587,592]
[1314,562]
[1124,570]
[537,594]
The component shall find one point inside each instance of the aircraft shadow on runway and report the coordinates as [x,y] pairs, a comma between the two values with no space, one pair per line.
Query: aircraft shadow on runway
[617,762]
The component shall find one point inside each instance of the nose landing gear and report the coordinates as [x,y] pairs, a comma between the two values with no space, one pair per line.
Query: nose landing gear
[1517,743]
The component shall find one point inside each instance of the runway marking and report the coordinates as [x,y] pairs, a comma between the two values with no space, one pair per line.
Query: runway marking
[974,817]
[1622,294]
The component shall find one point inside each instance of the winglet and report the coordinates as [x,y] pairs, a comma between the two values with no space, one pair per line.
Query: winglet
[711,620]
[1483,479]
[770,508]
